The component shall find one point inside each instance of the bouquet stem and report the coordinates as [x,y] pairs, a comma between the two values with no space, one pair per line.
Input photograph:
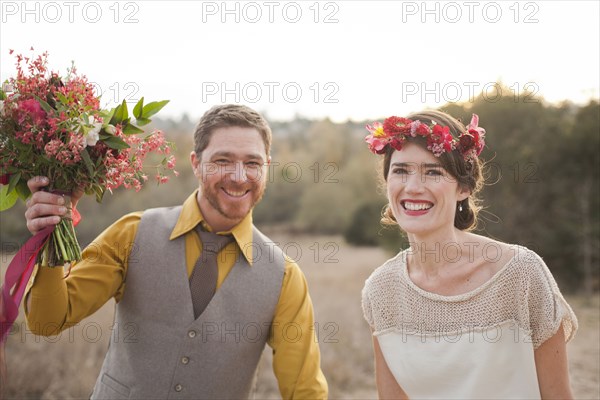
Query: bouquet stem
[62,247]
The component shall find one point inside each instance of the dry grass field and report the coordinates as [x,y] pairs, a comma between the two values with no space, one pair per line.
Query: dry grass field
[66,366]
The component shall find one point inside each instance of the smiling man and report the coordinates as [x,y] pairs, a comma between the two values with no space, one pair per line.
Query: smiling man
[188,324]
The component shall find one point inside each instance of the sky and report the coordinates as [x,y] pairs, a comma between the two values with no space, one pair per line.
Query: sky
[338,59]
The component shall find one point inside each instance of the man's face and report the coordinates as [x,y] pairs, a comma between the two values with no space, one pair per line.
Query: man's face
[232,175]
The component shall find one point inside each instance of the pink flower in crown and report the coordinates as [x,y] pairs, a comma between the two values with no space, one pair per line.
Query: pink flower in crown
[378,139]
[473,126]
[376,145]
[376,129]
[418,128]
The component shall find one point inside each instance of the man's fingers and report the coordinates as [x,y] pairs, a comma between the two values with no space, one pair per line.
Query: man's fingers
[45,198]
[36,225]
[44,210]
[37,182]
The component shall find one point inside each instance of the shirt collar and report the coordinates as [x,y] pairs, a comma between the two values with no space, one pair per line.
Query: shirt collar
[191,216]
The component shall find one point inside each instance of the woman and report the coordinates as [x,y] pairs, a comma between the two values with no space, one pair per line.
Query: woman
[457,315]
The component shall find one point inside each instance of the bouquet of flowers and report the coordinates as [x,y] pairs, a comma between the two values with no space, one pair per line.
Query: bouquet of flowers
[53,126]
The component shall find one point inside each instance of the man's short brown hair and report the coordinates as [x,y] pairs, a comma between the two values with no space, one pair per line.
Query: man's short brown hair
[227,115]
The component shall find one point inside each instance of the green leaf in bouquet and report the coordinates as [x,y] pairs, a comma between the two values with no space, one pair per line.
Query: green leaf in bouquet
[143,121]
[61,97]
[12,182]
[7,199]
[86,119]
[23,190]
[2,94]
[120,114]
[131,129]
[45,106]
[115,142]
[107,116]
[152,108]
[137,110]
[87,161]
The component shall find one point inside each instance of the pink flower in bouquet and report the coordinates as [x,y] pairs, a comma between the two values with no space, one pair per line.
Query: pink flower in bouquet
[53,126]
[4,179]
[33,109]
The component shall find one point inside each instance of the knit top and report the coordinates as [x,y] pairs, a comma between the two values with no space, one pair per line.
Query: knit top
[477,344]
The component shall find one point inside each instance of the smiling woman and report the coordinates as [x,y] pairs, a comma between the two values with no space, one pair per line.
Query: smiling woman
[448,320]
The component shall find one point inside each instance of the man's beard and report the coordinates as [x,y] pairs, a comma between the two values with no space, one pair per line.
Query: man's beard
[233,211]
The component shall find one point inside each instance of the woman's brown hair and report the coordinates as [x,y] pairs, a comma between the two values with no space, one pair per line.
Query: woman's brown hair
[467,174]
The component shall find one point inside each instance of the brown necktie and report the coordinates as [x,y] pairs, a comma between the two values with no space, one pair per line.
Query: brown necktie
[203,282]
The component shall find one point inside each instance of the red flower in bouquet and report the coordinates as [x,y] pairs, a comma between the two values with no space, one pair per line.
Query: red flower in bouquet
[53,126]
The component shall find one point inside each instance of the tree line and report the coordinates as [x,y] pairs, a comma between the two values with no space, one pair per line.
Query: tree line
[542,186]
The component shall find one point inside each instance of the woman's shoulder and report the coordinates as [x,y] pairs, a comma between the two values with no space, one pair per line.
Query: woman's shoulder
[387,272]
[501,256]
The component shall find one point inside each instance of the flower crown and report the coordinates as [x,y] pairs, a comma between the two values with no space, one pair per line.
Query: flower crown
[394,131]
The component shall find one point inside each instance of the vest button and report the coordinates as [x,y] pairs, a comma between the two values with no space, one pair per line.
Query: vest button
[185,360]
[178,388]
[192,334]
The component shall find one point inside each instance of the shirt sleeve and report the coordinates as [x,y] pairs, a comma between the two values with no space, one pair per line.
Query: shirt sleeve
[57,303]
[296,356]
[548,309]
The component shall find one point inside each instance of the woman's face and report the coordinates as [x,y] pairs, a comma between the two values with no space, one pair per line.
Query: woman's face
[421,193]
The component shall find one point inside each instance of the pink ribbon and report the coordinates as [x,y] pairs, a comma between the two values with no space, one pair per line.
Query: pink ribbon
[17,275]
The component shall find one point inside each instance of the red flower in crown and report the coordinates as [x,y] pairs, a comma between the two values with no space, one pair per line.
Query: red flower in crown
[421,129]
[471,143]
[395,130]
[396,126]
[397,142]
[4,179]
[467,141]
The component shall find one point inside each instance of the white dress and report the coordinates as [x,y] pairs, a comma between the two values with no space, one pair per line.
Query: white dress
[477,345]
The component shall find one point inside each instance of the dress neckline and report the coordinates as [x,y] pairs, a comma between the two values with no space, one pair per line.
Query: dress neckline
[455,297]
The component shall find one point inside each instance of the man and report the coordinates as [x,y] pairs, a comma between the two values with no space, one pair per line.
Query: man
[175,337]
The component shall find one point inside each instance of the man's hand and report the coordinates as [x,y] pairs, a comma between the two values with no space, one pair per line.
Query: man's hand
[45,209]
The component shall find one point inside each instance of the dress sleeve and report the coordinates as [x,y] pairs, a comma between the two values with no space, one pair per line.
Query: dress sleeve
[366,304]
[548,309]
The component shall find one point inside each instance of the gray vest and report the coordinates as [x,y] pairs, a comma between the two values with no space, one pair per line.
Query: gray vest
[158,351]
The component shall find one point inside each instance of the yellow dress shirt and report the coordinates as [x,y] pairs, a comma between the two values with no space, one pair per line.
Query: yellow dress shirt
[56,303]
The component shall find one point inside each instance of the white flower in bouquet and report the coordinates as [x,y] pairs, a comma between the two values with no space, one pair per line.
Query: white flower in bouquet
[93,136]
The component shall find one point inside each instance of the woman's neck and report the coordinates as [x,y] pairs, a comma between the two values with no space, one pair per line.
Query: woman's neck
[432,252]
